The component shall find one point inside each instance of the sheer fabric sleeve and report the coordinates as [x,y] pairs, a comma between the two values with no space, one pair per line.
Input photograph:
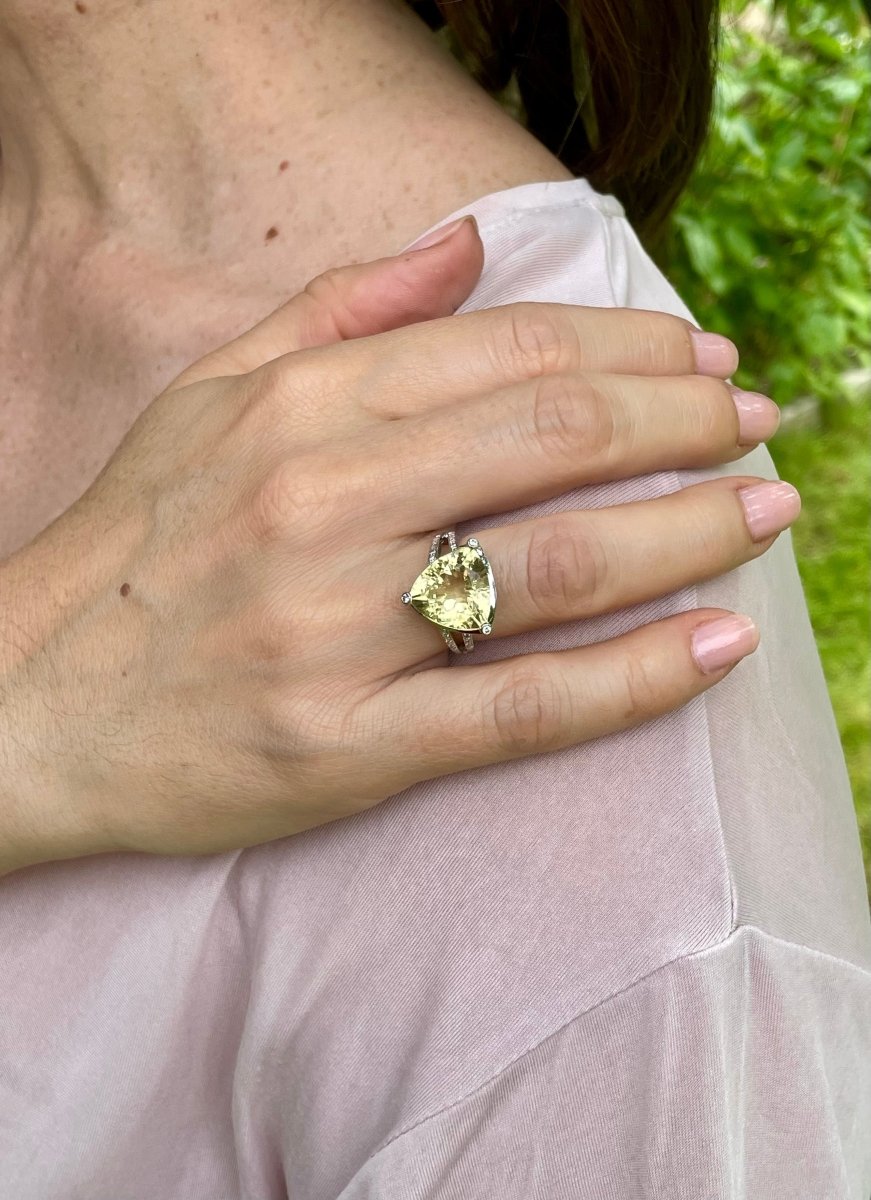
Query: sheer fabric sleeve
[663,980]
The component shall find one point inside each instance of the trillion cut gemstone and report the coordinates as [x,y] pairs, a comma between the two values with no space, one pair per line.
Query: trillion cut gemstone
[457,591]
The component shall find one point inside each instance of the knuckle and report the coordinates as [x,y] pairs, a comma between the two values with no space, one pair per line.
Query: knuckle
[710,416]
[643,695]
[268,388]
[326,289]
[301,732]
[276,627]
[555,415]
[288,395]
[291,498]
[572,418]
[534,341]
[529,711]
[567,570]
[327,282]
[339,308]
[663,340]
[712,536]
[659,343]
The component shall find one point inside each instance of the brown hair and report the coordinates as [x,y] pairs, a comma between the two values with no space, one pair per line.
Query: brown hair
[620,90]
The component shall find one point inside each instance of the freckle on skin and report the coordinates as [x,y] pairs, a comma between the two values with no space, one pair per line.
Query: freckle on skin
[125,589]
[271,232]
[283,165]
[81,8]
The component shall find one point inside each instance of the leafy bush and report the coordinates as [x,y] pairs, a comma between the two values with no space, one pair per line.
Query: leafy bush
[771,240]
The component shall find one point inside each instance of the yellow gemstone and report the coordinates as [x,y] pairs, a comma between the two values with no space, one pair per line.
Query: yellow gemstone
[457,591]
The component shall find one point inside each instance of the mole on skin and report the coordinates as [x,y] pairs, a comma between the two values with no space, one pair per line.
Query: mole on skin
[271,232]
[125,589]
[283,165]
[81,8]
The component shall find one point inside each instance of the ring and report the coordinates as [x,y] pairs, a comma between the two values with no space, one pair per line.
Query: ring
[456,591]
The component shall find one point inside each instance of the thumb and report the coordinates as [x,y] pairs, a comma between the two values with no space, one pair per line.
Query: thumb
[430,279]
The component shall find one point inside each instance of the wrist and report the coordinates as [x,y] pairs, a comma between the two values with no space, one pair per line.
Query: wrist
[35,813]
[39,821]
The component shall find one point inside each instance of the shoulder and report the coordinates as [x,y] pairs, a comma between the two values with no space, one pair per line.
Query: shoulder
[565,242]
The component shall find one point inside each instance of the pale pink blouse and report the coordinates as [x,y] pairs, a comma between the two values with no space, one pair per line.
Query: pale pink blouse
[639,967]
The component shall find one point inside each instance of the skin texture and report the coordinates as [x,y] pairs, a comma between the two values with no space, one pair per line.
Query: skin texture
[152,190]
[148,151]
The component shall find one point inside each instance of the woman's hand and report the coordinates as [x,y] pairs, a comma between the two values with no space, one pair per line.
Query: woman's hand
[208,650]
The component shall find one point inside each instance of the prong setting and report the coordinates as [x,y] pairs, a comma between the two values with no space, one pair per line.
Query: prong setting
[406,598]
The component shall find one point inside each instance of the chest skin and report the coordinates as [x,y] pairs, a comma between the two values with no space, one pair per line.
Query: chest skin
[86,342]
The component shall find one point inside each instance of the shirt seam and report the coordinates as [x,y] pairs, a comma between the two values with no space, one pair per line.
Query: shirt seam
[609,257]
[516,214]
[523,1054]
[575,202]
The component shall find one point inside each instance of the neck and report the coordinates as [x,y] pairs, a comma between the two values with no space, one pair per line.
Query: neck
[218,130]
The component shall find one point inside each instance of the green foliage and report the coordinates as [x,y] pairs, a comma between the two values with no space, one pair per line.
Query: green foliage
[771,239]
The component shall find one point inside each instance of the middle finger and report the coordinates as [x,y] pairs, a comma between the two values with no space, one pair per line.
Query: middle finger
[435,363]
[545,437]
[432,365]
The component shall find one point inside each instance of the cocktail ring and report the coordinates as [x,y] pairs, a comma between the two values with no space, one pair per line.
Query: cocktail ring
[457,591]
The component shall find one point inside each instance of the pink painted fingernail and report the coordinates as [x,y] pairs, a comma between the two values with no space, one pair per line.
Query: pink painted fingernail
[715,355]
[769,507]
[437,236]
[723,642]
[758,416]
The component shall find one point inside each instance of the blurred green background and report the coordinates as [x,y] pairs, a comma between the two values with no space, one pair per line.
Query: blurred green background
[771,245]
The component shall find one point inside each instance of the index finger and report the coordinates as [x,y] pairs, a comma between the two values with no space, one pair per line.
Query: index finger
[419,367]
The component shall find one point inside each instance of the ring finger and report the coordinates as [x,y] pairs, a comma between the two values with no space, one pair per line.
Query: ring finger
[580,563]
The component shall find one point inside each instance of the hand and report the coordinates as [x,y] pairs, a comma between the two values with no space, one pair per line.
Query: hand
[225,658]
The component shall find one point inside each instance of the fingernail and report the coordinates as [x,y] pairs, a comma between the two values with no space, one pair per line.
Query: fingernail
[723,642]
[715,355]
[437,236]
[758,416]
[769,507]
